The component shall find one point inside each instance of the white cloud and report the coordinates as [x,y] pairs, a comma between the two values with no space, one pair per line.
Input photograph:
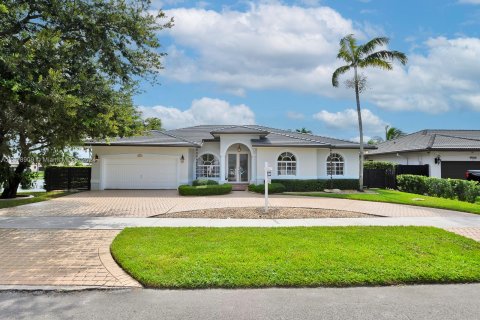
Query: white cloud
[348,120]
[272,45]
[201,111]
[295,115]
[469,1]
[268,46]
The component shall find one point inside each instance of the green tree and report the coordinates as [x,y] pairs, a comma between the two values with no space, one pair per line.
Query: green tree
[359,57]
[68,71]
[153,123]
[303,130]
[393,133]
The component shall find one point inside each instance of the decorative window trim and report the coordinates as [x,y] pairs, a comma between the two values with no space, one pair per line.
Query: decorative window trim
[207,166]
[338,165]
[285,167]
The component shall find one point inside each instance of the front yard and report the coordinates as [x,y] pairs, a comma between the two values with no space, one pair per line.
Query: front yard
[393,196]
[37,197]
[295,257]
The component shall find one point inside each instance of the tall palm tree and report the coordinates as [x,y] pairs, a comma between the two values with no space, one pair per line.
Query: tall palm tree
[393,133]
[360,57]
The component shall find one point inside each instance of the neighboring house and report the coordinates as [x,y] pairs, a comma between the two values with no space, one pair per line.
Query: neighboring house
[226,153]
[449,153]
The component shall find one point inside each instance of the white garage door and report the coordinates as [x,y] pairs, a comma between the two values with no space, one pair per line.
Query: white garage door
[141,173]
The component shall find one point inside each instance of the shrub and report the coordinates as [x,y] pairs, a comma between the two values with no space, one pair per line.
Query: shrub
[272,188]
[379,165]
[295,185]
[412,183]
[205,190]
[204,182]
[462,190]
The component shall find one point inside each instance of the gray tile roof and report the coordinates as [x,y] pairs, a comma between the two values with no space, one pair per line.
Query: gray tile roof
[455,140]
[195,136]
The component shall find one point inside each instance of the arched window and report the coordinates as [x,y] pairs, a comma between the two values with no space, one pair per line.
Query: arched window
[335,165]
[286,164]
[208,166]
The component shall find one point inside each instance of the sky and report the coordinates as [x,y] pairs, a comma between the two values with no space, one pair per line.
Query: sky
[270,63]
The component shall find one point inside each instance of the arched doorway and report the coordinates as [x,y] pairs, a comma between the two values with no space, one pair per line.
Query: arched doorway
[238,165]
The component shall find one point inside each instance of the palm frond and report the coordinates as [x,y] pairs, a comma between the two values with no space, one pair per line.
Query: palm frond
[387,55]
[375,62]
[370,46]
[347,48]
[337,74]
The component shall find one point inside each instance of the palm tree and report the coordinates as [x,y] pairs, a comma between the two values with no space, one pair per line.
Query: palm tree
[393,133]
[363,56]
[303,130]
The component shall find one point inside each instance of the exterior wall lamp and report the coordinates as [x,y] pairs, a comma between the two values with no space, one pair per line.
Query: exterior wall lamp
[438,160]
[95,158]
[239,149]
[182,159]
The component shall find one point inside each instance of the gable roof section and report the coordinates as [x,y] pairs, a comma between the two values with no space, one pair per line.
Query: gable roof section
[425,140]
[261,137]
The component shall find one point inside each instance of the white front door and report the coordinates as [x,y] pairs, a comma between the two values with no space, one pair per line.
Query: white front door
[237,167]
[141,173]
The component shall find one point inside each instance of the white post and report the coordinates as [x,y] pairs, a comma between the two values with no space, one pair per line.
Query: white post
[268,173]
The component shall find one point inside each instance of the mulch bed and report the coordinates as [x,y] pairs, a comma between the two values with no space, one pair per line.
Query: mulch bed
[258,213]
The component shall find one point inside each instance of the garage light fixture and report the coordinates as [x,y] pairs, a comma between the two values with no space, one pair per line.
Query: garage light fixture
[438,160]
[95,158]
[239,149]
[182,159]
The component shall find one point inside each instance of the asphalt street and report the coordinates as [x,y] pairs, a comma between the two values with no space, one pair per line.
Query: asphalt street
[403,302]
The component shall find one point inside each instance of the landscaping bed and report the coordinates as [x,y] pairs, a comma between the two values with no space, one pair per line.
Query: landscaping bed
[205,190]
[259,213]
[295,257]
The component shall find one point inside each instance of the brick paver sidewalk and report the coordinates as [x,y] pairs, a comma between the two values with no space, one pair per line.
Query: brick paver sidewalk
[61,258]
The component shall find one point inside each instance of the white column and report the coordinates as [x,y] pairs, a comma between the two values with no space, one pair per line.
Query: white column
[253,165]
[222,167]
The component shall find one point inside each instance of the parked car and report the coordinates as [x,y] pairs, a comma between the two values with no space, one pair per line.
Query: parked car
[473,175]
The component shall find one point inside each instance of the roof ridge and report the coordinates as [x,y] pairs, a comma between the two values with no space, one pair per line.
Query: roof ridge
[457,137]
[180,138]
[431,141]
[306,139]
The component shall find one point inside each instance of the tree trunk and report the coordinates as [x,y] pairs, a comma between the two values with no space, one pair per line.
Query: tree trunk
[360,129]
[10,191]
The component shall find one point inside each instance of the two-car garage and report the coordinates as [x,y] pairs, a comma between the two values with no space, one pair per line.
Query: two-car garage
[140,172]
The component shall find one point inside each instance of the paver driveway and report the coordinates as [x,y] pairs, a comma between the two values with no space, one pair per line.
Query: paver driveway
[146,203]
[61,258]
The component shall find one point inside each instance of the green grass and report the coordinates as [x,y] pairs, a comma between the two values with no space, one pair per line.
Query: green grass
[37,197]
[295,257]
[393,196]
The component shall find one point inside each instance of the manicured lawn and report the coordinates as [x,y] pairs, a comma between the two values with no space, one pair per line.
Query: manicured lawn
[393,196]
[295,257]
[38,197]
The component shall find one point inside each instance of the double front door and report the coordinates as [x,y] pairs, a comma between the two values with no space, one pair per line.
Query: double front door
[237,167]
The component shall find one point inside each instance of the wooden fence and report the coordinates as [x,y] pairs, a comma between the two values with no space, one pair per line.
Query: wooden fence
[67,178]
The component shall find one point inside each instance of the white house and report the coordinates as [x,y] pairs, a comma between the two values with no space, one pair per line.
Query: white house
[226,153]
[449,153]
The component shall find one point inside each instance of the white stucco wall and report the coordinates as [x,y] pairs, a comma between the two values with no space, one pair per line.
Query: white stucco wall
[311,163]
[105,151]
[420,158]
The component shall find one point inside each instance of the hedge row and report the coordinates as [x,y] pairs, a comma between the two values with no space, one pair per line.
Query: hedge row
[206,190]
[379,165]
[272,188]
[204,182]
[462,190]
[293,185]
